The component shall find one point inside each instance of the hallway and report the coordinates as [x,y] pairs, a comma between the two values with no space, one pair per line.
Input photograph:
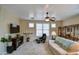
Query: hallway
[32,48]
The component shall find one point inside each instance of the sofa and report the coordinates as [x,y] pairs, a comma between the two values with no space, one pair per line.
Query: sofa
[63,46]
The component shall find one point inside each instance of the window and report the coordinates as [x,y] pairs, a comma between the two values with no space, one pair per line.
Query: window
[42,28]
[46,29]
[31,25]
[38,29]
[53,25]
[45,26]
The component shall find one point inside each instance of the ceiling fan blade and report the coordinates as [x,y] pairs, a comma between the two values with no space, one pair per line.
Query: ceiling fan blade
[52,20]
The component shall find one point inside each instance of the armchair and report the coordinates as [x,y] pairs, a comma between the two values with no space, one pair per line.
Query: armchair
[41,39]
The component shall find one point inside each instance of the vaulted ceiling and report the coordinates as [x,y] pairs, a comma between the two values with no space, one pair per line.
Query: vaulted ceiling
[38,11]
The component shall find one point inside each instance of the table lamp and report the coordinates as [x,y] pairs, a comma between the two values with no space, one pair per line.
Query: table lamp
[53,35]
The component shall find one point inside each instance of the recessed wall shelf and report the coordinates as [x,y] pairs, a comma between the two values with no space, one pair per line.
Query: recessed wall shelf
[70,32]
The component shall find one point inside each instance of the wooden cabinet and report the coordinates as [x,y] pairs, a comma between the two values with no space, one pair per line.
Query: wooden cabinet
[14,29]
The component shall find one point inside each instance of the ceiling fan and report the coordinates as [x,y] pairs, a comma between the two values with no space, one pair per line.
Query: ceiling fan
[47,18]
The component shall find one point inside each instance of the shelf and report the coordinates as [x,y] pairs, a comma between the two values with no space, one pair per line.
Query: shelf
[70,32]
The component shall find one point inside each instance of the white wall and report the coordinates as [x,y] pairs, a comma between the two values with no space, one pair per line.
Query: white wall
[25,29]
[71,21]
[6,17]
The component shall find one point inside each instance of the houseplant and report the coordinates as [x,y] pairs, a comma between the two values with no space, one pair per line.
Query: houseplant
[3,40]
[3,45]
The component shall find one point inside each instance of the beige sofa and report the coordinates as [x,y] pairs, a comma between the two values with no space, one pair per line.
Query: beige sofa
[65,47]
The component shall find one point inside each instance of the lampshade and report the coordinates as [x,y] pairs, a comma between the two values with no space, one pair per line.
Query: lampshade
[47,20]
[53,33]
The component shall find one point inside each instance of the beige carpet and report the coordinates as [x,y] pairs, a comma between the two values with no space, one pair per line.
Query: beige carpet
[32,48]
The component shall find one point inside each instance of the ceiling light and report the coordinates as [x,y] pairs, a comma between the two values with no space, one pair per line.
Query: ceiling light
[47,20]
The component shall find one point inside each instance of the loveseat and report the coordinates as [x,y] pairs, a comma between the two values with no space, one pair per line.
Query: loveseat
[62,46]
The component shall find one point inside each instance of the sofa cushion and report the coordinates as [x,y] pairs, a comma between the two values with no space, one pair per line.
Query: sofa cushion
[56,49]
[64,43]
[74,47]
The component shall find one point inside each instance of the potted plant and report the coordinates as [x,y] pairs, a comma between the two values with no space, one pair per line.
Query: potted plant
[3,45]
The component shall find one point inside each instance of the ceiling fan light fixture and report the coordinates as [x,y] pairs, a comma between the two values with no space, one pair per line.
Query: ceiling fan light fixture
[53,18]
[47,19]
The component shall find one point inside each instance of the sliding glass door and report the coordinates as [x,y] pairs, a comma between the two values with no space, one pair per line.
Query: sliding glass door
[42,28]
[46,29]
[38,29]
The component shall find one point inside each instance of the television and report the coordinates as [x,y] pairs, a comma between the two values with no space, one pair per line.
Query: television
[14,28]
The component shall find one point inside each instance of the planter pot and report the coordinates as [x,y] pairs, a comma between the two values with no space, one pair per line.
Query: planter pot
[3,48]
[9,43]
